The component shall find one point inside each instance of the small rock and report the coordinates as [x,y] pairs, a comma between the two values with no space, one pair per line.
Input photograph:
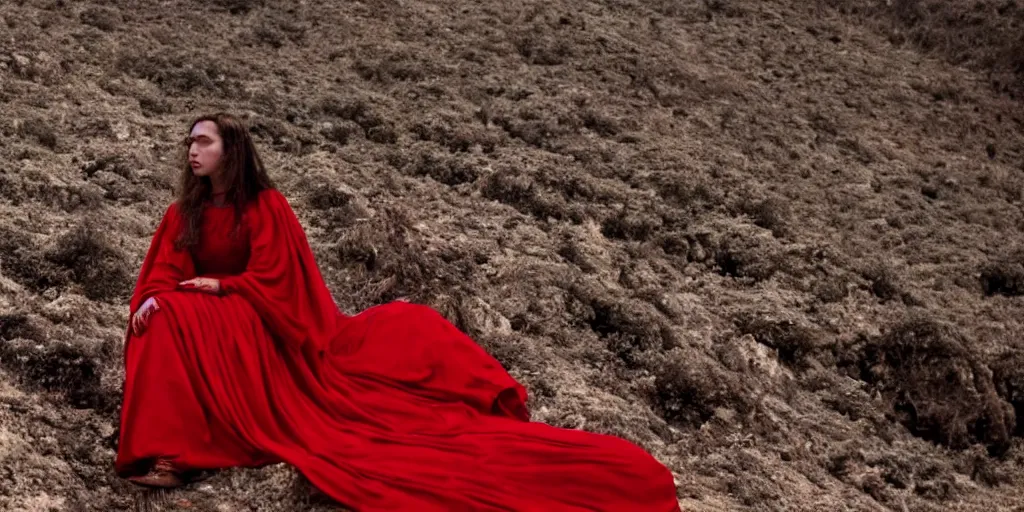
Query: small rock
[728,416]
[21,61]
[8,286]
[121,131]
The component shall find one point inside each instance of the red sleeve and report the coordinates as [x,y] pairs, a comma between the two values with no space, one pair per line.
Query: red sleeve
[282,281]
[164,266]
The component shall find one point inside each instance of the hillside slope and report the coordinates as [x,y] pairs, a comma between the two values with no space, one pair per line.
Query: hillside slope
[771,241]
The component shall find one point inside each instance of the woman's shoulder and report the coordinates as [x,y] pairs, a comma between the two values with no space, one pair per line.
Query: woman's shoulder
[270,195]
[268,201]
[173,210]
[271,198]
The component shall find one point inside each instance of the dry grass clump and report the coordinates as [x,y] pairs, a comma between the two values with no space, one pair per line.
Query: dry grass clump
[936,385]
[88,255]
[71,369]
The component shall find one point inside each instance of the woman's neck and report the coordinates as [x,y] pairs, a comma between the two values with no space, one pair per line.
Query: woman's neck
[218,185]
[218,198]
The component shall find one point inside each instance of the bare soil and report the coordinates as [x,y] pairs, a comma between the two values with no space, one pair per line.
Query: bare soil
[777,243]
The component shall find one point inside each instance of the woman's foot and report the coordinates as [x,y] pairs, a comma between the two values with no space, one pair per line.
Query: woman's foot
[162,474]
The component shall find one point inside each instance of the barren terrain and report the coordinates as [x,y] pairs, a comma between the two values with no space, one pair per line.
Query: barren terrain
[775,242]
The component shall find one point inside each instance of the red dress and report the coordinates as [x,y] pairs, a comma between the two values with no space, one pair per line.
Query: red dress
[390,409]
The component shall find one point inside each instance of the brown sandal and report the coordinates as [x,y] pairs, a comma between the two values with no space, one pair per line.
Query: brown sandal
[162,475]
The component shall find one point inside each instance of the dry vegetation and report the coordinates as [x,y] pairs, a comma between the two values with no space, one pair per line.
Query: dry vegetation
[777,243]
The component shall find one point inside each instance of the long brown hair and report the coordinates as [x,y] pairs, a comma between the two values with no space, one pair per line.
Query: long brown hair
[242,167]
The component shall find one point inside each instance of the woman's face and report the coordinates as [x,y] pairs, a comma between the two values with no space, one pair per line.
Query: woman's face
[206,149]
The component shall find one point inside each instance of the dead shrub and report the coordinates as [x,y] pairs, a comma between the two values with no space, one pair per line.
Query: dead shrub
[831,289]
[574,252]
[375,127]
[382,134]
[355,110]
[36,186]
[60,367]
[844,398]
[396,67]
[19,325]
[599,123]
[747,258]
[336,205]
[274,129]
[542,132]
[693,195]
[792,341]
[154,106]
[384,259]
[631,226]
[341,132]
[1004,275]
[446,170]
[103,18]
[38,68]
[983,468]
[40,131]
[690,387]
[771,214]
[883,280]
[727,8]
[275,28]
[630,328]
[752,486]
[1008,376]
[325,196]
[674,243]
[177,73]
[113,163]
[10,188]
[936,386]
[456,138]
[524,194]
[542,49]
[21,259]
[580,187]
[238,6]
[93,261]
[117,188]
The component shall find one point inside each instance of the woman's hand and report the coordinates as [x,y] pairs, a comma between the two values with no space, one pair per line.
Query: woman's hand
[202,284]
[141,318]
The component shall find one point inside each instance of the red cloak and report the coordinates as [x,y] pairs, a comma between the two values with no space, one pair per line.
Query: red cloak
[390,409]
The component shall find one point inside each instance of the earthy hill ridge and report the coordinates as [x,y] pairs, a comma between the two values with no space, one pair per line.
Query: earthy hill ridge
[776,243]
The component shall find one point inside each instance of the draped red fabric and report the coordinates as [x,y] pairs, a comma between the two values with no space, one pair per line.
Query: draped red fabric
[391,409]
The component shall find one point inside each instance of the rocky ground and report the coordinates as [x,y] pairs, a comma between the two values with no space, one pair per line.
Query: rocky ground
[776,243]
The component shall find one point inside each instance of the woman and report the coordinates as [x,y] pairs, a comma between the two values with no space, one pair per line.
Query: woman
[236,355]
